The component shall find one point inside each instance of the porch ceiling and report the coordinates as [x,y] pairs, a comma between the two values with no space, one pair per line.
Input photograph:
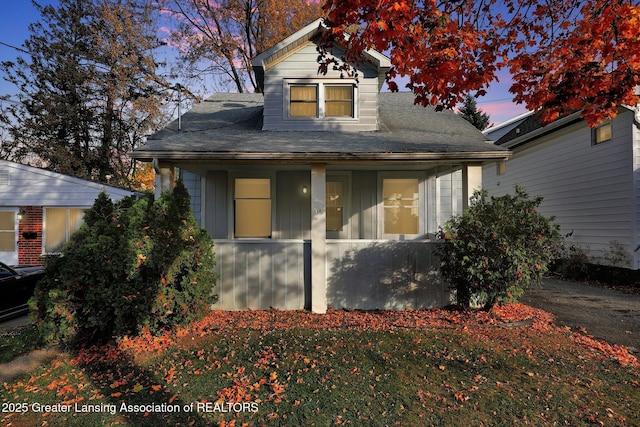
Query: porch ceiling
[228,127]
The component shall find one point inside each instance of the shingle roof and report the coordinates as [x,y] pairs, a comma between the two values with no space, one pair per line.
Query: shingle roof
[229,126]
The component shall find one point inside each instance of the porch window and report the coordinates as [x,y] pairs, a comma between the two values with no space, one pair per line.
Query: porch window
[59,225]
[401,205]
[253,207]
[335,208]
[7,231]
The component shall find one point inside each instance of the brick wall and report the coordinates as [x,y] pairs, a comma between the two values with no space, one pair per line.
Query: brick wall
[30,236]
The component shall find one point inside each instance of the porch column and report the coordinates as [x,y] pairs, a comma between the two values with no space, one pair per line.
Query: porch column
[471,181]
[165,177]
[318,239]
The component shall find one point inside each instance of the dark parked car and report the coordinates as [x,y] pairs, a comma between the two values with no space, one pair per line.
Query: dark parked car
[16,287]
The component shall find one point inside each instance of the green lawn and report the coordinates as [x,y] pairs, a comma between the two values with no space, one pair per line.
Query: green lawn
[433,367]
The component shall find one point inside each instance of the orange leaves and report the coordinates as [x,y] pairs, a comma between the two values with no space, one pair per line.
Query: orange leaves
[453,48]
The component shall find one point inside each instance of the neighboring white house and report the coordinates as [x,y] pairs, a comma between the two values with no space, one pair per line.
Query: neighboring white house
[323,191]
[39,210]
[589,178]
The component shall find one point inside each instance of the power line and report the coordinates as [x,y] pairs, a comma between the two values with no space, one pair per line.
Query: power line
[19,49]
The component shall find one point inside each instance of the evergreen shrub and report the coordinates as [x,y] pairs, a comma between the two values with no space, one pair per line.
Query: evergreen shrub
[132,266]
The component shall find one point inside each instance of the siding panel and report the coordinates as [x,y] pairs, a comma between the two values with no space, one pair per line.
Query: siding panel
[587,188]
[260,275]
[384,275]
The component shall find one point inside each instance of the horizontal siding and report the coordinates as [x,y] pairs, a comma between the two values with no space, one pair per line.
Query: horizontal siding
[384,275]
[587,188]
[636,198]
[29,186]
[303,65]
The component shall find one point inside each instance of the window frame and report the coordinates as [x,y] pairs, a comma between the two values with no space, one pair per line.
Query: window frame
[232,204]
[320,85]
[594,133]
[422,208]
[14,231]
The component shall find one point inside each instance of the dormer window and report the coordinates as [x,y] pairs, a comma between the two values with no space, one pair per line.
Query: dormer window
[317,99]
[304,101]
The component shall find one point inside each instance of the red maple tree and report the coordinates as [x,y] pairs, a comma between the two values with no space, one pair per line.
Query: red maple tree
[563,55]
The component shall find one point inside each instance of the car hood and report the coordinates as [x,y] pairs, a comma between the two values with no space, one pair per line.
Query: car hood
[28,270]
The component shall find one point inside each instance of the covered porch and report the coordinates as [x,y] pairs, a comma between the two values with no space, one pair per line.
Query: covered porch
[334,236]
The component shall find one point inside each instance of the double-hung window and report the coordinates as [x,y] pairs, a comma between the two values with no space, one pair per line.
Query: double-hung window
[252,207]
[401,206]
[320,99]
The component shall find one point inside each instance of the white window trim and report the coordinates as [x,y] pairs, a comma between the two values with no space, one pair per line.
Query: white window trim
[232,206]
[422,204]
[319,83]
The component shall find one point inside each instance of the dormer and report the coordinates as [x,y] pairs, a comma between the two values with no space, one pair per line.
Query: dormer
[297,97]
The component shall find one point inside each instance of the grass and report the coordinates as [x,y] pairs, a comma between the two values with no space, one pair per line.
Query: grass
[18,342]
[432,367]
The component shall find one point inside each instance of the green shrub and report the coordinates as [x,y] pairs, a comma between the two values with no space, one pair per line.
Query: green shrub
[497,247]
[132,265]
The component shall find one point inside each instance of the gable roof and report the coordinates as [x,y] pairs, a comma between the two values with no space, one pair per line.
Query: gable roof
[23,185]
[228,126]
[312,31]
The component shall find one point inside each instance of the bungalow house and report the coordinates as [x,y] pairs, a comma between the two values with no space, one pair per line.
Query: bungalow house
[589,179]
[39,210]
[322,191]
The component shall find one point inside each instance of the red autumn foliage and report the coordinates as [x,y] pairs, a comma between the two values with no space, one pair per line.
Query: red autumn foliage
[563,56]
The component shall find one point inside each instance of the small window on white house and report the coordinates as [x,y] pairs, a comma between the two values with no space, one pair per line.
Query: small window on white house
[501,168]
[59,225]
[252,207]
[338,101]
[303,101]
[601,133]
[401,206]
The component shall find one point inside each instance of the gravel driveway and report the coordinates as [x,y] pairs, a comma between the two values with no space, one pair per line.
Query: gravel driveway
[606,314]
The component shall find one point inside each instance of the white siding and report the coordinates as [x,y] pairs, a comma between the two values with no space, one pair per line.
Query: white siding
[636,191]
[303,65]
[587,188]
[28,186]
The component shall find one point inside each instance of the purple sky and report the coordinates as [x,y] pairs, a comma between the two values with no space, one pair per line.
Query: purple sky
[14,21]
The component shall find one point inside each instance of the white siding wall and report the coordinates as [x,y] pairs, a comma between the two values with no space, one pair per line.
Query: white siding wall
[303,65]
[636,189]
[587,188]
[28,186]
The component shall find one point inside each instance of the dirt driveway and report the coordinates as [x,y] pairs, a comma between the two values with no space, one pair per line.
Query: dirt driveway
[606,314]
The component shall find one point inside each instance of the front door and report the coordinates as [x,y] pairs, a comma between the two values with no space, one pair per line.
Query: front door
[9,236]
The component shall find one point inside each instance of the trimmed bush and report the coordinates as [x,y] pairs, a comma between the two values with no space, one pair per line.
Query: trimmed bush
[497,247]
[133,265]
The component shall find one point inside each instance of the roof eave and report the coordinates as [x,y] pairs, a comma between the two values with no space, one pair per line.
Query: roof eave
[468,156]
[560,123]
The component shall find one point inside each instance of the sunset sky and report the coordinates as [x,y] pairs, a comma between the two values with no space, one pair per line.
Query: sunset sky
[14,22]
